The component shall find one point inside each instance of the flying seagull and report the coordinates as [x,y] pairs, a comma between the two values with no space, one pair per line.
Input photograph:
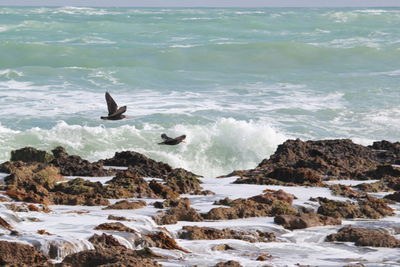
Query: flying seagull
[172,141]
[114,113]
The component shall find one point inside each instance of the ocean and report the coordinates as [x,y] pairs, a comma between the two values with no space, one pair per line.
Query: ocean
[237,82]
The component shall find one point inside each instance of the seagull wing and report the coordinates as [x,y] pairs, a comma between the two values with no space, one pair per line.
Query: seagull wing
[112,106]
[180,138]
[165,137]
[118,112]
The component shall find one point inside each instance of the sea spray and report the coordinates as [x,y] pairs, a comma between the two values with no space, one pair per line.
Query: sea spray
[210,150]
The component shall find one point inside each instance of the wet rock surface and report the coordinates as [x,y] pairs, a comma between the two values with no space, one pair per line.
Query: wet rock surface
[31,154]
[228,264]
[305,220]
[365,208]
[265,205]
[104,241]
[296,162]
[364,237]
[110,257]
[208,233]
[73,165]
[180,210]
[18,254]
[126,205]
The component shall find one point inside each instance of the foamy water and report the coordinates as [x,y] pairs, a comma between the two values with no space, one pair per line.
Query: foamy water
[237,82]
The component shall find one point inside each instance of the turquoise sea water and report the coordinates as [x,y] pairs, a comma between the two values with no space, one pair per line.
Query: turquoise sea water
[237,82]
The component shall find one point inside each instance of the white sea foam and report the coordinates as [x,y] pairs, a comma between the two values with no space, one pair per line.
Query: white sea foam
[211,149]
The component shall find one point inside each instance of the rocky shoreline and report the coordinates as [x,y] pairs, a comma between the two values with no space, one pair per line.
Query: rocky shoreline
[48,184]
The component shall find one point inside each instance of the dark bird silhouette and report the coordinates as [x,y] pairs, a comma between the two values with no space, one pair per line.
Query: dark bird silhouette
[172,141]
[114,113]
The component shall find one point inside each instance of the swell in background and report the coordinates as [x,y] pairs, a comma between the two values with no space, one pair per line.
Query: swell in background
[238,82]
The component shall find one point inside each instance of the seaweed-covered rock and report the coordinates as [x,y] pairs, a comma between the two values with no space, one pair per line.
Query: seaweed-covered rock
[365,208]
[162,240]
[387,152]
[228,264]
[126,205]
[31,154]
[117,226]
[18,254]
[208,233]
[345,191]
[364,237]
[395,196]
[180,211]
[73,165]
[183,182]
[305,220]
[127,185]
[298,162]
[270,197]
[162,190]
[375,187]
[245,208]
[104,241]
[110,257]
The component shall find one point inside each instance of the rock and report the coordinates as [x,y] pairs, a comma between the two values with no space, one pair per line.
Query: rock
[117,226]
[245,208]
[305,220]
[139,164]
[31,154]
[183,182]
[387,152]
[264,257]
[208,233]
[5,224]
[345,191]
[72,165]
[373,187]
[296,162]
[228,264]
[104,241]
[111,257]
[43,232]
[162,190]
[395,196]
[180,211]
[18,254]
[118,218]
[126,205]
[364,237]
[162,240]
[222,247]
[179,180]
[127,185]
[270,197]
[365,208]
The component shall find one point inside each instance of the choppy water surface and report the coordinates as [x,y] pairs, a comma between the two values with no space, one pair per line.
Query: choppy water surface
[237,82]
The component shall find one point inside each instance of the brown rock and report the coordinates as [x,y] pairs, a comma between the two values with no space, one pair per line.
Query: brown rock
[104,241]
[222,247]
[17,254]
[364,237]
[395,196]
[162,240]
[118,218]
[228,264]
[117,226]
[5,224]
[43,232]
[264,257]
[31,154]
[180,211]
[345,191]
[162,190]
[126,205]
[245,208]
[110,257]
[305,220]
[207,233]
[72,165]
[270,197]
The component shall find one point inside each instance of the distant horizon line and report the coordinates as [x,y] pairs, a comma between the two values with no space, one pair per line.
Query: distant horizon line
[139,6]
